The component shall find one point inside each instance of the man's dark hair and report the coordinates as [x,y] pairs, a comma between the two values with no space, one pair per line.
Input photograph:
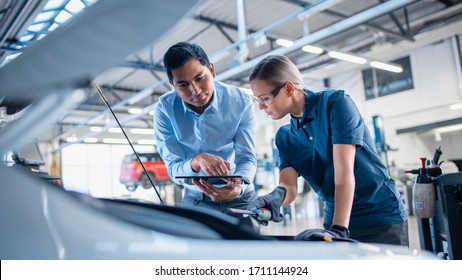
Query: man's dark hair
[180,53]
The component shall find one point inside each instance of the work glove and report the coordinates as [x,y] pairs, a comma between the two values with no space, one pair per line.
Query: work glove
[336,233]
[273,202]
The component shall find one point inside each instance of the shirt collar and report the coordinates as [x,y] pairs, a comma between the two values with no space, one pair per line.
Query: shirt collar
[309,112]
[212,106]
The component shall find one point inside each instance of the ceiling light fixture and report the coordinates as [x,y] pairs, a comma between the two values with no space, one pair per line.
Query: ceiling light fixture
[386,66]
[72,139]
[347,57]
[284,42]
[95,128]
[146,131]
[135,111]
[90,140]
[146,142]
[313,49]
[115,130]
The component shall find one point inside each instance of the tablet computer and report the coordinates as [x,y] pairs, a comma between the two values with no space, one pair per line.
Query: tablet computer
[213,180]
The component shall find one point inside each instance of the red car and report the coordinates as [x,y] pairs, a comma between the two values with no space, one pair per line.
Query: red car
[132,174]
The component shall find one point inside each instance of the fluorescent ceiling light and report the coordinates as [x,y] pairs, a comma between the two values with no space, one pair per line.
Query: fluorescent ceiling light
[146,142]
[96,128]
[90,140]
[72,139]
[456,106]
[135,111]
[347,57]
[115,141]
[147,131]
[449,128]
[284,42]
[115,130]
[313,49]
[386,66]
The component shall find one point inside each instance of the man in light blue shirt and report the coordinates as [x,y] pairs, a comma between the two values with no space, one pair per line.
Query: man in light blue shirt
[204,127]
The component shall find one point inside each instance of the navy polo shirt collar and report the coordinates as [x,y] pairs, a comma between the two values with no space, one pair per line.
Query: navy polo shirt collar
[309,113]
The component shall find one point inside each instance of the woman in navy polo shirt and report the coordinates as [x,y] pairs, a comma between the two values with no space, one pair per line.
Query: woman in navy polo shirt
[329,145]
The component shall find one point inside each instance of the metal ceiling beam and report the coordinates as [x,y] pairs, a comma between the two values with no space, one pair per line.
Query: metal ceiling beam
[220,24]
[120,88]
[336,28]
[369,25]
[264,30]
[397,23]
[403,36]
[242,31]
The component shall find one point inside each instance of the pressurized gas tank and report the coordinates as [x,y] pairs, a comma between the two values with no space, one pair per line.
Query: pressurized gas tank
[423,198]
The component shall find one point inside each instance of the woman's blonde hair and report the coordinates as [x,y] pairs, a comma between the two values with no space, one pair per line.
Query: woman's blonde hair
[277,69]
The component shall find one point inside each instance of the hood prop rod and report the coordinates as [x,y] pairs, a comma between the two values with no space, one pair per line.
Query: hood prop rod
[100,92]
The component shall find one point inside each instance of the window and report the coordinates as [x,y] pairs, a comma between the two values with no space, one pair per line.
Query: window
[378,83]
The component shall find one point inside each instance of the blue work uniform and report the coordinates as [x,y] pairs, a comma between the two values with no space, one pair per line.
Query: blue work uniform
[306,144]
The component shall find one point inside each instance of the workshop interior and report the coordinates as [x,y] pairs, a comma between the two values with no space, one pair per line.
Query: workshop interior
[80,174]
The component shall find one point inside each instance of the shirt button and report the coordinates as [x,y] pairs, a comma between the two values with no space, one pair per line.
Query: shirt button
[304,126]
[311,138]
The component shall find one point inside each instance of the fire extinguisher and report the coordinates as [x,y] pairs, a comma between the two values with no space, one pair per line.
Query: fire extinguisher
[424,189]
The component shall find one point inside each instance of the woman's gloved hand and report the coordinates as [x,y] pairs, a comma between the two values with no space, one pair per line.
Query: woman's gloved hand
[273,202]
[336,233]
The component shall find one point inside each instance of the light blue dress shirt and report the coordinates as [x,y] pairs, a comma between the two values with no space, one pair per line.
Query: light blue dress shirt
[226,128]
